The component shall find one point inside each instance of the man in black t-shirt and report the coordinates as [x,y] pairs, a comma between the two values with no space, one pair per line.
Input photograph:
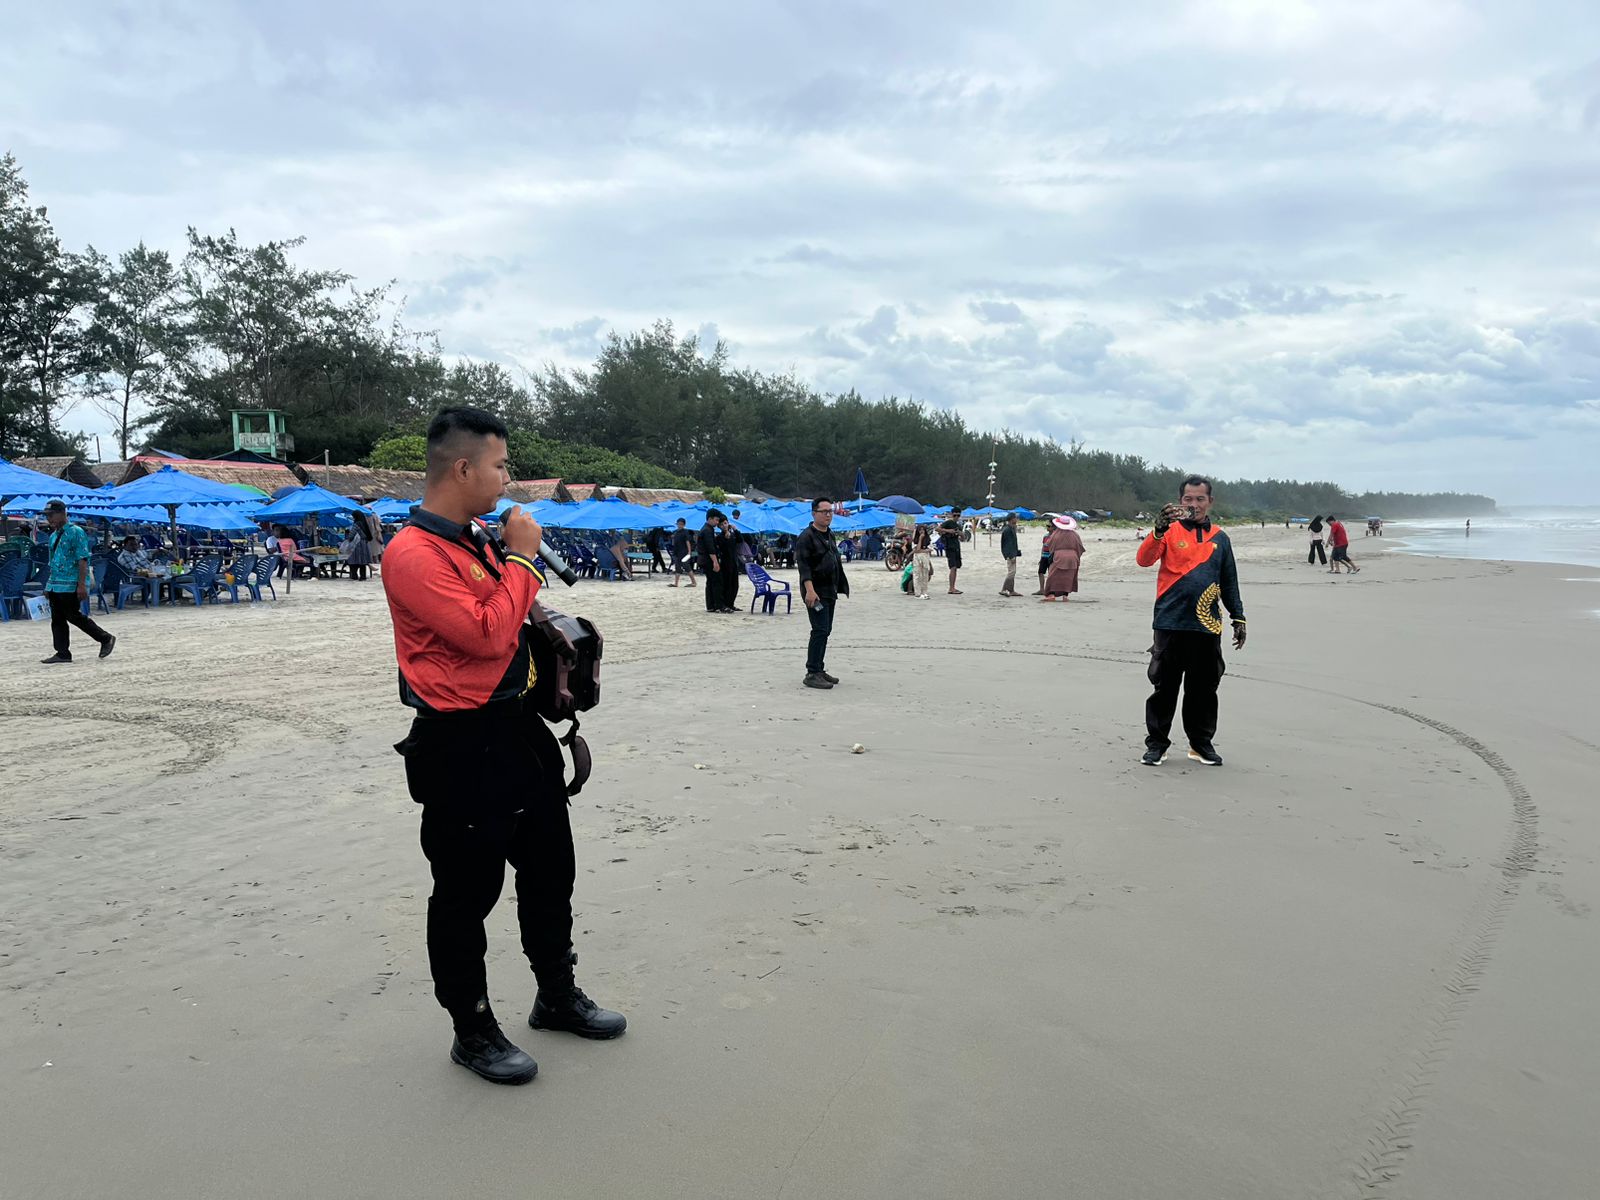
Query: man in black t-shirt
[682,542]
[950,539]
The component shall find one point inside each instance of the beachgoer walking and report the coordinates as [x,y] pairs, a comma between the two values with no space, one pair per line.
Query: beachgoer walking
[682,543]
[709,550]
[822,582]
[66,587]
[1197,571]
[484,766]
[1339,539]
[1066,552]
[1316,553]
[950,539]
[1469,526]
[921,560]
[1010,551]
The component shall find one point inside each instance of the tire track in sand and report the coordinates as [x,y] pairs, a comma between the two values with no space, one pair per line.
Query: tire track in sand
[1384,1138]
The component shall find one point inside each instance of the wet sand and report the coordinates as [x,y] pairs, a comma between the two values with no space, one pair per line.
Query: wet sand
[992,956]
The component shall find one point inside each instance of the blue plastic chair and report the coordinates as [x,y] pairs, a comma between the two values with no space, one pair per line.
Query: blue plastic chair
[243,570]
[99,568]
[202,583]
[262,577]
[13,574]
[768,590]
[605,563]
[119,583]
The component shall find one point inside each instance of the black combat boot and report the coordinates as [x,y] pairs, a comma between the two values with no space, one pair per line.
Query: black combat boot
[562,1005]
[483,1049]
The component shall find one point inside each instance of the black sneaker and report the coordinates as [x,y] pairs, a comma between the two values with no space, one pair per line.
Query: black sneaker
[829,678]
[56,658]
[817,681]
[487,1052]
[570,1011]
[1205,754]
[1153,757]
[107,646]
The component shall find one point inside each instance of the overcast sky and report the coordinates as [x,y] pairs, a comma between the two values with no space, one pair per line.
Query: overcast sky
[1340,240]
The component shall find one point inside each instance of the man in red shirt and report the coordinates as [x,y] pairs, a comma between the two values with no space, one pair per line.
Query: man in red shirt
[479,759]
[1339,539]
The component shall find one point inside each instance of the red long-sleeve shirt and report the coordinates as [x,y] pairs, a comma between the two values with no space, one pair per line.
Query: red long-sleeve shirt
[1197,571]
[459,633]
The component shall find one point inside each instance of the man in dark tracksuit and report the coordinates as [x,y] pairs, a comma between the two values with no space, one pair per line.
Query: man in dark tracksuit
[1197,571]
[822,582]
[732,564]
[708,548]
[479,759]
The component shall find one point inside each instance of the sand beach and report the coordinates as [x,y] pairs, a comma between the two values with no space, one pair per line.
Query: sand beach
[990,956]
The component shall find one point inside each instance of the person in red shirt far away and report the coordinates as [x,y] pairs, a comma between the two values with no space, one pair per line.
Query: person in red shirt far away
[480,760]
[1339,539]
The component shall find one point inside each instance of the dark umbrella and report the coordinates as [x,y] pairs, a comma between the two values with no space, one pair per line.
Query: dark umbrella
[861,483]
[901,504]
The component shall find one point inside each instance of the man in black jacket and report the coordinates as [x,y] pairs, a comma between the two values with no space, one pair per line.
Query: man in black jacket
[708,547]
[732,564]
[822,582]
[1010,551]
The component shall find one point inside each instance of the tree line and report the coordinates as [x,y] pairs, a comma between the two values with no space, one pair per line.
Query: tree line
[164,348]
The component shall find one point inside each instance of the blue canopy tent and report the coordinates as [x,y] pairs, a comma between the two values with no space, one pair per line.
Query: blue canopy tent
[1025,514]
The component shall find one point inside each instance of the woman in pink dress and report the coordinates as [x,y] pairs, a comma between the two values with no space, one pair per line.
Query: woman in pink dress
[1066,550]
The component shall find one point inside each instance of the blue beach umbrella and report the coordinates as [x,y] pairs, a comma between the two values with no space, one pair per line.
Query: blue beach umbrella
[310,500]
[603,514]
[900,504]
[216,517]
[390,510]
[172,489]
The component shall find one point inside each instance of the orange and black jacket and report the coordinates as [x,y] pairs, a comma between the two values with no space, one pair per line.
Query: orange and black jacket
[1197,571]
[459,608]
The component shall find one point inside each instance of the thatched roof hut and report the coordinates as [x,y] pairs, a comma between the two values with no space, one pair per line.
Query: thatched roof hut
[527,491]
[638,495]
[63,466]
[363,483]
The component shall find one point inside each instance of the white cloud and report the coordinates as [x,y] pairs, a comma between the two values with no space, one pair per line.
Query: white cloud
[1265,238]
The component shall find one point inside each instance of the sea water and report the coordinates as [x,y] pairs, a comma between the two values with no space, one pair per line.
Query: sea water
[1541,535]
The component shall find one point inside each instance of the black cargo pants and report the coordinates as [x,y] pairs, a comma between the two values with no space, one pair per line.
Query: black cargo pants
[492,792]
[1193,662]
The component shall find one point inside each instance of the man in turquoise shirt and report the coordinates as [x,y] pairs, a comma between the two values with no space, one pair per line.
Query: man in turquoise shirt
[67,585]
